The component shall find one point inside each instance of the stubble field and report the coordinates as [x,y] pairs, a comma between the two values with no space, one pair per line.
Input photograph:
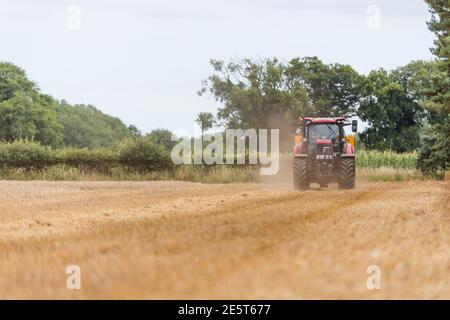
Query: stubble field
[189,240]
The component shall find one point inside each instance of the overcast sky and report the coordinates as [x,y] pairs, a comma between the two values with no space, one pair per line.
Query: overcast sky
[143,61]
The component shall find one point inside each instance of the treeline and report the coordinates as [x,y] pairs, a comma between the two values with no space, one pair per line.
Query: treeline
[26,113]
[86,126]
[270,94]
[406,109]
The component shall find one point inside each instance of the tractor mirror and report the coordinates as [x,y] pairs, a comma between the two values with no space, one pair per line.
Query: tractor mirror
[354,125]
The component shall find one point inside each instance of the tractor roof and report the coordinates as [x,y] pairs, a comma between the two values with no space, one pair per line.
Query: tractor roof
[325,120]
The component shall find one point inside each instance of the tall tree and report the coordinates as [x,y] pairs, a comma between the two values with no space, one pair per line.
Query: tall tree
[86,126]
[333,89]
[162,137]
[434,153]
[135,132]
[205,120]
[392,106]
[13,80]
[267,93]
[254,92]
[25,113]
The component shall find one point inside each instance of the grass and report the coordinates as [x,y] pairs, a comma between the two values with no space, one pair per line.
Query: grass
[388,174]
[204,174]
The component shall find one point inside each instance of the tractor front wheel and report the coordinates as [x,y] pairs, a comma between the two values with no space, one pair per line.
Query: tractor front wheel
[347,173]
[301,173]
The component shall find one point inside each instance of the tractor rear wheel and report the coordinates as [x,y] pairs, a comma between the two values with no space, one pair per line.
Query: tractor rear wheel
[301,173]
[347,173]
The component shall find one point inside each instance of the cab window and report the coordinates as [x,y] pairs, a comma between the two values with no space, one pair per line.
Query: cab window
[323,131]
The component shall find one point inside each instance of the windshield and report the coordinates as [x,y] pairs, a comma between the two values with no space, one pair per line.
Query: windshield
[323,131]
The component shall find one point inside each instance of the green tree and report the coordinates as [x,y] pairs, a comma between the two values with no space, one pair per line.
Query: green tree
[162,137]
[267,93]
[205,120]
[434,152]
[333,89]
[14,80]
[253,92]
[392,104]
[134,131]
[417,79]
[24,112]
[86,126]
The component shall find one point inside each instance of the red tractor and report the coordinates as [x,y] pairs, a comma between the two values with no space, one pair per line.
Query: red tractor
[323,153]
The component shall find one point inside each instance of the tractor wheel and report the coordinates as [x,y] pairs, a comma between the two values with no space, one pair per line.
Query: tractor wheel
[301,174]
[347,173]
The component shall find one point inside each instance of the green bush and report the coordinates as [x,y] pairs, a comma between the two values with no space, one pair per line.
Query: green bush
[142,154]
[25,154]
[100,159]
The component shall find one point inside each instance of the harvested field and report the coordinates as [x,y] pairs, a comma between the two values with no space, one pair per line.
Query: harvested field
[189,240]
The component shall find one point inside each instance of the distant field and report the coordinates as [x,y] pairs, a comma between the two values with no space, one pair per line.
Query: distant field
[188,240]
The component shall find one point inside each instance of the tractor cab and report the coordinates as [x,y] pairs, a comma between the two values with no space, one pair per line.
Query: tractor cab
[321,150]
[319,134]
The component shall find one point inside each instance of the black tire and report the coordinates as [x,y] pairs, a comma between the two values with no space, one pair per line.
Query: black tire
[347,173]
[300,169]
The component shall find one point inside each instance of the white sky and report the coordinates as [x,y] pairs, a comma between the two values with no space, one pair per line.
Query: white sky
[143,61]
